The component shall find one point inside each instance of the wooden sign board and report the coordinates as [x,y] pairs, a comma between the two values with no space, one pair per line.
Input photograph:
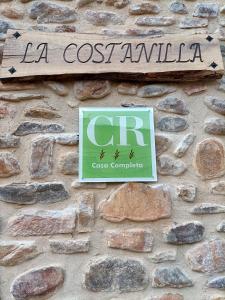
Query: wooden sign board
[29,55]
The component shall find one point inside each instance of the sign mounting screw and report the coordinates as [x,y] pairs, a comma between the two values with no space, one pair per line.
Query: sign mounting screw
[16,34]
[213,65]
[12,70]
[209,38]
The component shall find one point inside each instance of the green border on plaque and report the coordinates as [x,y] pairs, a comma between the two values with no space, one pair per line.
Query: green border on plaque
[116,145]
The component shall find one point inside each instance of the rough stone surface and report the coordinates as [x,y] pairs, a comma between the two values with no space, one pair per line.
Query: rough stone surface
[155,21]
[217,283]
[178,7]
[162,143]
[49,12]
[68,163]
[41,162]
[184,145]
[193,89]
[57,87]
[91,89]
[37,282]
[103,18]
[215,104]
[173,105]
[117,3]
[12,12]
[16,252]
[6,87]
[188,23]
[69,246]
[186,233]
[170,277]
[215,126]
[137,240]
[112,274]
[167,297]
[9,141]
[169,166]
[30,193]
[41,112]
[207,257]
[172,124]
[221,226]
[186,192]
[42,222]
[85,212]
[127,88]
[209,159]
[137,202]
[154,90]
[20,97]
[207,208]
[9,165]
[218,188]
[206,10]
[163,256]
[67,139]
[26,128]
[143,8]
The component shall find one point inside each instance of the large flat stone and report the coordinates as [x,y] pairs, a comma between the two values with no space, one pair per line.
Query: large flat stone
[137,202]
[30,193]
[26,128]
[37,282]
[114,274]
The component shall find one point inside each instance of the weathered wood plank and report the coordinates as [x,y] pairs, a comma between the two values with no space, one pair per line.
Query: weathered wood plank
[29,55]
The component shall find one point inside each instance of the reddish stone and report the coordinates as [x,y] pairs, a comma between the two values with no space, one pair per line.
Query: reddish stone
[86,211]
[9,165]
[137,202]
[37,282]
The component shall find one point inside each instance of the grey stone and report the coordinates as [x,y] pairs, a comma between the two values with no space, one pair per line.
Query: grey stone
[57,87]
[26,128]
[103,18]
[218,188]
[127,88]
[178,8]
[214,126]
[37,282]
[85,212]
[222,84]
[172,124]
[207,257]
[49,12]
[163,256]
[143,8]
[68,163]
[68,139]
[9,165]
[217,283]
[155,21]
[206,10]
[36,222]
[186,233]
[117,3]
[184,145]
[186,192]
[173,105]
[113,274]
[170,167]
[5,25]
[82,3]
[154,90]
[221,226]
[188,23]
[30,193]
[16,252]
[215,104]
[170,277]
[41,161]
[17,97]
[9,141]
[69,246]
[207,208]
[162,143]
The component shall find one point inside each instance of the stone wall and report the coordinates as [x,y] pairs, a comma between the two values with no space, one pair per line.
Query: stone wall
[61,239]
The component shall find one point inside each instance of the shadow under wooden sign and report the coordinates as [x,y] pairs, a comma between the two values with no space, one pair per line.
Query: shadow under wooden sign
[36,55]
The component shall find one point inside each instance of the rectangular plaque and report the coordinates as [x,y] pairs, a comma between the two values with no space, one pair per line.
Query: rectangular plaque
[29,55]
[117,144]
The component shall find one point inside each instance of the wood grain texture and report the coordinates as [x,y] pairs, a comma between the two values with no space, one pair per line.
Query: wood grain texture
[38,55]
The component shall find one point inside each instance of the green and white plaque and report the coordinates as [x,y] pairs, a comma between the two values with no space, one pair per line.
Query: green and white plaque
[117,144]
